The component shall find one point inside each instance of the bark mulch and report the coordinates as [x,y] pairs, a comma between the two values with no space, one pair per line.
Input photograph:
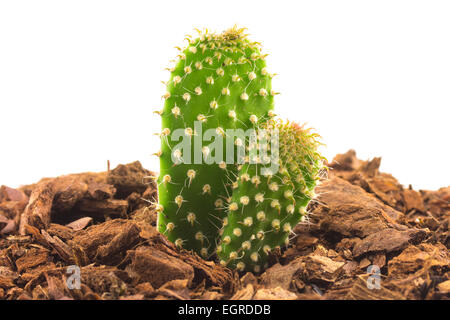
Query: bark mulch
[367,237]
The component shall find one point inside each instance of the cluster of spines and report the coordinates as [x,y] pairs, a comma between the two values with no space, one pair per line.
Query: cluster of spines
[220,81]
[265,208]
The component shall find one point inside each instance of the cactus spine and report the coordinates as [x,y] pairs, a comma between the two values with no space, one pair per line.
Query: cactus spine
[220,82]
[266,206]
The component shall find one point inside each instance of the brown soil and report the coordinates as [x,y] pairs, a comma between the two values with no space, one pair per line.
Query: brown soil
[102,223]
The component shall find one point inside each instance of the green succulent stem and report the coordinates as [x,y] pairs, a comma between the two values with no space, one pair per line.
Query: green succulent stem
[267,205]
[219,82]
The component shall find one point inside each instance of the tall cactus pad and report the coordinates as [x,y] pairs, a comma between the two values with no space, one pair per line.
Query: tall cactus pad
[266,207]
[220,82]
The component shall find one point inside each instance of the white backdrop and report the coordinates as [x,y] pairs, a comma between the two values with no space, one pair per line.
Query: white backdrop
[79,79]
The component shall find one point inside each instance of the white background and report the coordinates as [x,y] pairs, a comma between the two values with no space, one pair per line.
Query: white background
[79,79]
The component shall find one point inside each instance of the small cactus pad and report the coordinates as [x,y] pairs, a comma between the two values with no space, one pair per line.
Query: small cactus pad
[267,205]
[220,82]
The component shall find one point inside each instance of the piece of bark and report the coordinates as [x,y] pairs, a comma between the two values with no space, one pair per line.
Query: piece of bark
[68,191]
[31,259]
[133,297]
[370,168]
[57,195]
[430,222]
[10,194]
[145,214]
[157,267]
[145,288]
[281,276]
[366,175]
[101,191]
[62,232]
[388,241]
[420,258]
[345,210]
[211,273]
[80,224]
[437,202]
[379,260]
[148,231]
[211,295]
[88,242]
[38,211]
[274,294]
[321,270]
[6,282]
[444,287]
[12,209]
[108,282]
[112,252]
[7,225]
[305,241]
[61,248]
[364,263]
[3,221]
[57,289]
[54,198]
[386,188]
[361,291]
[413,200]
[100,208]
[245,293]
[36,236]
[346,161]
[129,178]
[175,289]
[350,267]
[12,204]
[7,278]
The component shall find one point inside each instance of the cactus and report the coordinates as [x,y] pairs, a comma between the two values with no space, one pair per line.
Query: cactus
[266,206]
[220,82]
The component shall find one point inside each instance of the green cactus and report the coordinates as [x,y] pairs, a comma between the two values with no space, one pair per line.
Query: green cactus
[266,206]
[220,82]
